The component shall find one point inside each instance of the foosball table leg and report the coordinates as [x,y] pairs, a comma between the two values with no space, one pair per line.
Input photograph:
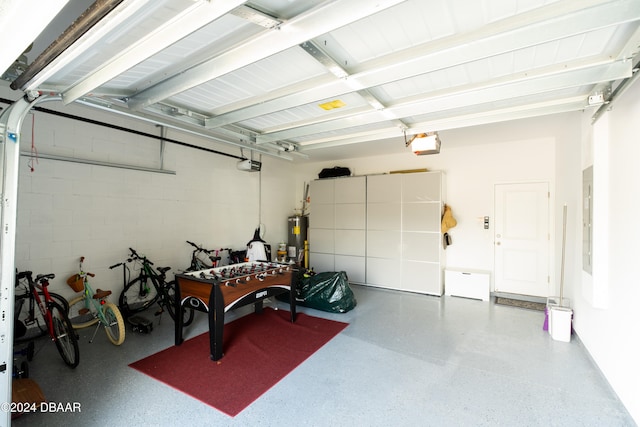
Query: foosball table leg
[216,323]
[258,307]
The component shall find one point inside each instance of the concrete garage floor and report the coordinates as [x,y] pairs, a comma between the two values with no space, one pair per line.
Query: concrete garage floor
[404,360]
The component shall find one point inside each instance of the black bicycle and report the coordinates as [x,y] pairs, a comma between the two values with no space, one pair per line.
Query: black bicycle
[150,287]
[202,258]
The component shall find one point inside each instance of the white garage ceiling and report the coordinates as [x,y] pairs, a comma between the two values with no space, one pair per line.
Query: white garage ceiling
[271,75]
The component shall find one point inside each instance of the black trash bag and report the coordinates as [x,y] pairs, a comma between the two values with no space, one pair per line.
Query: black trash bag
[327,291]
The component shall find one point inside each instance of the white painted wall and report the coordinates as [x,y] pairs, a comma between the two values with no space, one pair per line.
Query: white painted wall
[67,210]
[474,160]
[605,304]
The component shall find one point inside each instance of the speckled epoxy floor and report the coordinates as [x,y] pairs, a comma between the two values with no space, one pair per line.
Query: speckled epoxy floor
[404,360]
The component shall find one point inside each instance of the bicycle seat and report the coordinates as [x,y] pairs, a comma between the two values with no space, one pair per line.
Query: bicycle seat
[163,269]
[22,275]
[100,294]
[44,277]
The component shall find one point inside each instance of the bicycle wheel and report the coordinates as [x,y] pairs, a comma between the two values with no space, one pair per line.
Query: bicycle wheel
[170,297]
[62,301]
[137,296]
[115,323]
[82,313]
[64,335]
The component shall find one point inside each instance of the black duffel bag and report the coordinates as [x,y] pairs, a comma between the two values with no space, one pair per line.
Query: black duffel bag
[334,172]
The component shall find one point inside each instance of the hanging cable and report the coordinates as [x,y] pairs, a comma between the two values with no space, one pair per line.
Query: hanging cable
[34,150]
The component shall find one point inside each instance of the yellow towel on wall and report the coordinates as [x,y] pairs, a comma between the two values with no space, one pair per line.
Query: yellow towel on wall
[448,221]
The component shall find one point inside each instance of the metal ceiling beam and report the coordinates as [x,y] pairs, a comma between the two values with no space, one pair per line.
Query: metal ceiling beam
[533,28]
[336,69]
[617,93]
[454,119]
[464,96]
[320,20]
[186,22]
[177,125]
[230,132]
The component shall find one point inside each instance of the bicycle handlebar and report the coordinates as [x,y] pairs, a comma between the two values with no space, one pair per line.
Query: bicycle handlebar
[135,255]
[200,248]
[120,263]
[209,251]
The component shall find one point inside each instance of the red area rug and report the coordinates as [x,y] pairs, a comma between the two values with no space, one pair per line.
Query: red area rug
[259,350]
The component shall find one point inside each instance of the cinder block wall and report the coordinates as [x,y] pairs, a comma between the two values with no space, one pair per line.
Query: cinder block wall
[67,210]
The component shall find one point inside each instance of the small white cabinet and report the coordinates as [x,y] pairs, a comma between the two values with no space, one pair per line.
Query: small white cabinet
[467,283]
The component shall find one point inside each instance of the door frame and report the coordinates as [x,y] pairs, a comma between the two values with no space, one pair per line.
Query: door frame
[550,230]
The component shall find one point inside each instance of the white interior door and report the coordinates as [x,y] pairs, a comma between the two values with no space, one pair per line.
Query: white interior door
[522,238]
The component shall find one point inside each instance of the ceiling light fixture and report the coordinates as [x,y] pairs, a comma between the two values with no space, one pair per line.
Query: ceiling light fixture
[424,143]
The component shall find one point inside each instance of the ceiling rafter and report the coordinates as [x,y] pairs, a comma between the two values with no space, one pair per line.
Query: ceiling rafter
[482,114]
[567,75]
[178,123]
[329,16]
[195,17]
[511,34]
[254,74]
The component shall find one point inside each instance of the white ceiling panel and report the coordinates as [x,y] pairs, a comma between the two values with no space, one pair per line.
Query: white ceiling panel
[252,81]
[254,73]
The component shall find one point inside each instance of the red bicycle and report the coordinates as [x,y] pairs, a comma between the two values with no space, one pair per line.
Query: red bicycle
[53,315]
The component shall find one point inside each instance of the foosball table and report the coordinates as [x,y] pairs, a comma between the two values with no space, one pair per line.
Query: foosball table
[221,289]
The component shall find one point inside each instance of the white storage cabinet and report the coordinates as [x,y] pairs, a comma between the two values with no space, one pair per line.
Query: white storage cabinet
[404,242]
[337,222]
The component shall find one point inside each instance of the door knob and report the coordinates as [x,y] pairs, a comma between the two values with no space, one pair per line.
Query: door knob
[498,243]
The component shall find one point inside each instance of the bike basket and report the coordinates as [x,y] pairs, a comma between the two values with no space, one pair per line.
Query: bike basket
[76,283]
